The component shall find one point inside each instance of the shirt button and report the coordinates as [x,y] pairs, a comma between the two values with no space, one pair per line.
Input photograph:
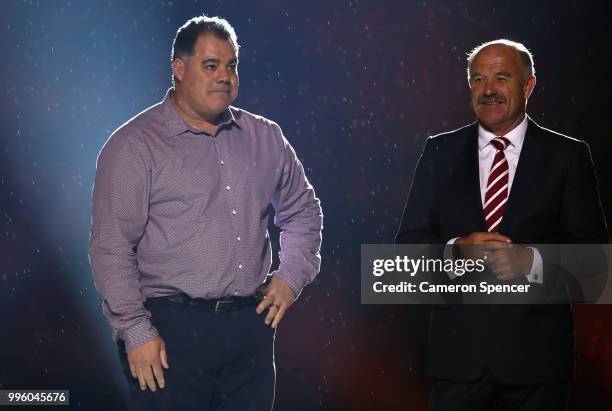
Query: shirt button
[238,238]
[233,212]
[222,163]
[227,188]
[239,265]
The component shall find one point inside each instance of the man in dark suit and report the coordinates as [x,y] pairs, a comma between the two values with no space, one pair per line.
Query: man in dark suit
[501,182]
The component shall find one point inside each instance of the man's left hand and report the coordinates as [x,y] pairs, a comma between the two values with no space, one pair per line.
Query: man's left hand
[278,297]
[510,264]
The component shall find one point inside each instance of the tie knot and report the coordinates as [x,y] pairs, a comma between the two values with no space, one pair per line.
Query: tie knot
[500,143]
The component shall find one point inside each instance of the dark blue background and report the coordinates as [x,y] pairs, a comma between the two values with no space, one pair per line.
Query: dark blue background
[356,86]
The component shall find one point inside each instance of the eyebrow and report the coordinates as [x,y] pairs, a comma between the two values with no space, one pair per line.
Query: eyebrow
[499,73]
[217,61]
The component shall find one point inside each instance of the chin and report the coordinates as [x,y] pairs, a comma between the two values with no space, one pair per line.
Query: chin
[491,118]
[491,124]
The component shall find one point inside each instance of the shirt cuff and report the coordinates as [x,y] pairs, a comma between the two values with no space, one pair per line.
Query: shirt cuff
[536,274]
[448,255]
[139,334]
[295,284]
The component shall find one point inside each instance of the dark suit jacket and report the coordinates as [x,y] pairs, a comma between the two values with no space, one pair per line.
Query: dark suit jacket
[553,200]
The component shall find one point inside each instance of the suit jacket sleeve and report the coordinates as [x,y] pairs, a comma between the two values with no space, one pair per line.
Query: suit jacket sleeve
[582,212]
[583,222]
[420,219]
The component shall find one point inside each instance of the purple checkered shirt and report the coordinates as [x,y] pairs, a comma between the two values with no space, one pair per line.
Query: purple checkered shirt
[176,209]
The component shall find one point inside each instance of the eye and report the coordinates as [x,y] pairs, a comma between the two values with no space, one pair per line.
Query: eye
[210,67]
[233,67]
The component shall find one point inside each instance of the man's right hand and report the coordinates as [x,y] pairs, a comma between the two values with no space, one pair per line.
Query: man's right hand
[146,363]
[477,244]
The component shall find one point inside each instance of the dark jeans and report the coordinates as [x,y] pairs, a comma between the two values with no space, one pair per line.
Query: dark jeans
[220,361]
[486,394]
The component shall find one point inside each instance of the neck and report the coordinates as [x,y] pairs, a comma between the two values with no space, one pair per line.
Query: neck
[192,118]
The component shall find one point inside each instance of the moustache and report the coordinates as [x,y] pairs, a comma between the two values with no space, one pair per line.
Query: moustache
[493,98]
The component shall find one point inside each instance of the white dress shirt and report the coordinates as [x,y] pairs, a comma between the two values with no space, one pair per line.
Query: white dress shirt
[486,154]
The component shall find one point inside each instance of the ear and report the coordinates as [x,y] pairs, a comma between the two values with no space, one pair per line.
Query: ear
[529,86]
[178,68]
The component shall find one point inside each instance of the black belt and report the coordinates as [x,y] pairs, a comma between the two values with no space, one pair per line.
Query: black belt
[222,304]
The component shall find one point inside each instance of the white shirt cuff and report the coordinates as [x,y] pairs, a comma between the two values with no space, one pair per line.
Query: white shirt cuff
[448,255]
[536,274]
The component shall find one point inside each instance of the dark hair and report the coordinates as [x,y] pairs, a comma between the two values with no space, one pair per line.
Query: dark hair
[187,35]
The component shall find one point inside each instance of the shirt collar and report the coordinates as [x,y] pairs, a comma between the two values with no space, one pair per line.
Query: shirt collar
[516,136]
[176,125]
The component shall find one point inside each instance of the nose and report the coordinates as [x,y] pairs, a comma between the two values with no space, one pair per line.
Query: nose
[224,75]
[488,88]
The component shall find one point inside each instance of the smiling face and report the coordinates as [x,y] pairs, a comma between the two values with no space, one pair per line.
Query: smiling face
[499,88]
[207,81]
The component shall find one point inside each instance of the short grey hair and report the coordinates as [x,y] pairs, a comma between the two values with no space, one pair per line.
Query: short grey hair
[524,54]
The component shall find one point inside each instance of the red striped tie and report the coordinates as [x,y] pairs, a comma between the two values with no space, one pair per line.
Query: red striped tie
[496,195]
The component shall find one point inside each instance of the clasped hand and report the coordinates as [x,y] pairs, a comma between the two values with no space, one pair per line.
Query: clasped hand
[505,259]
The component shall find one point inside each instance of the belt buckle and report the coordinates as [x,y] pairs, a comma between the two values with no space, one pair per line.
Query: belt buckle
[220,303]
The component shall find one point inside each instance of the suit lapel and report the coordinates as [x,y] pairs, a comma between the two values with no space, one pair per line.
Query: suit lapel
[532,153]
[472,178]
